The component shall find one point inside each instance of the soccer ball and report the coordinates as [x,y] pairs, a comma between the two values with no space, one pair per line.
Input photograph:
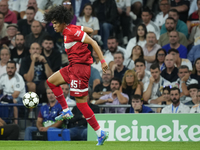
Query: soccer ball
[30,100]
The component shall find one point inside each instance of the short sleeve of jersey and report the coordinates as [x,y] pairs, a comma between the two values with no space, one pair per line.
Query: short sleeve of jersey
[74,34]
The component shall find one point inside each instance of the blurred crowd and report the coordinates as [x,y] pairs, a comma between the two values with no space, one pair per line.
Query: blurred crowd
[152,49]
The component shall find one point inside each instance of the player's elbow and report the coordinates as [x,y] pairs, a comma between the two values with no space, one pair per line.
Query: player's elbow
[90,30]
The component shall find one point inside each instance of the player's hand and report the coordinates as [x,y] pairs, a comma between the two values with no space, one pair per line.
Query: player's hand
[104,67]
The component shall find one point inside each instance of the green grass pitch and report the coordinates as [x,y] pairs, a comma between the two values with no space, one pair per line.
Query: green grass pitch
[84,145]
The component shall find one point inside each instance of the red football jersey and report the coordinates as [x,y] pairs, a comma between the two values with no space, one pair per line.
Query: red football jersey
[76,50]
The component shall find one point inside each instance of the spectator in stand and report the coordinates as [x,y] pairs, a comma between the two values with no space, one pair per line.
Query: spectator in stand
[36,35]
[19,51]
[35,69]
[140,39]
[39,15]
[171,26]
[166,95]
[180,61]
[160,58]
[95,78]
[5,56]
[106,11]
[170,73]
[3,26]
[66,89]
[151,89]
[112,48]
[183,82]
[9,16]
[130,84]
[137,52]
[24,25]
[78,124]
[78,6]
[143,75]
[150,49]
[193,19]
[137,105]
[46,116]
[88,19]
[51,54]
[196,108]
[136,7]
[125,15]
[116,97]
[193,7]
[175,44]
[180,25]
[182,6]
[104,87]
[193,90]
[9,131]
[176,106]
[196,70]
[163,15]
[150,25]
[69,6]
[194,54]
[118,69]
[194,38]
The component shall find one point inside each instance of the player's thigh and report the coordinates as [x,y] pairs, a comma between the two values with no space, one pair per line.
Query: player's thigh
[57,78]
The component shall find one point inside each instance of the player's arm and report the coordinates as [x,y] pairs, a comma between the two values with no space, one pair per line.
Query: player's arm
[95,46]
[88,30]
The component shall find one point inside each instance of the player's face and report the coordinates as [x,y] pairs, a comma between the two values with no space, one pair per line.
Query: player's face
[50,96]
[114,85]
[58,27]
[140,67]
[146,17]
[87,10]
[173,37]
[65,89]
[175,96]
[183,72]
[30,14]
[155,73]
[137,104]
[170,25]
[118,59]
[19,41]
[47,45]
[169,61]
[5,56]
[197,65]
[193,92]
[140,31]
[10,69]
[166,95]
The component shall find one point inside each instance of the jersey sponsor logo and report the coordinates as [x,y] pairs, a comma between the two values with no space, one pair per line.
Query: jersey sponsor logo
[77,33]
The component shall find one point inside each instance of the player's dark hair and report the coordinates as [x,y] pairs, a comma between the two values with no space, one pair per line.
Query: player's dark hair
[155,66]
[173,50]
[119,52]
[12,62]
[116,79]
[193,86]
[140,60]
[175,88]
[59,14]
[136,97]
[48,38]
[31,8]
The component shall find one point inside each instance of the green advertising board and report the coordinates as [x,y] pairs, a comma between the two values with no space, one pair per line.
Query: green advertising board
[148,127]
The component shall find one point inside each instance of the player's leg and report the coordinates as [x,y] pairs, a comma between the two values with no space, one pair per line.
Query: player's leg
[81,103]
[54,83]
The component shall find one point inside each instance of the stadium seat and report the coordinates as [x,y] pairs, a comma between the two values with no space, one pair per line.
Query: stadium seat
[55,134]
